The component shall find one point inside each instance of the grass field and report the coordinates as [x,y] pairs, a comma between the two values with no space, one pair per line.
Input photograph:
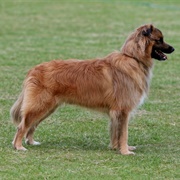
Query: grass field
[75,140]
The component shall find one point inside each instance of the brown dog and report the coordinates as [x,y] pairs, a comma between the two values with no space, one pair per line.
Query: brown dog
[116,84]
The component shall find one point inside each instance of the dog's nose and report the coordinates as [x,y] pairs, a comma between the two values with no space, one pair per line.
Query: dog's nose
[172,49]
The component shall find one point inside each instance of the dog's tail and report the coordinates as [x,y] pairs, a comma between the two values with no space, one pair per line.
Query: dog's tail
[15,111]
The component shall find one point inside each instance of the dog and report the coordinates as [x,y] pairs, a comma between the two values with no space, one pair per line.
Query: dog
[116,84]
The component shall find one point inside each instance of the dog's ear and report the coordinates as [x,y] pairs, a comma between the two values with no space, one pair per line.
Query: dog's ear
[147,30]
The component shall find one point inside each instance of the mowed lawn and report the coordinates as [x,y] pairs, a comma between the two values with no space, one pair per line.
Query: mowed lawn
[74,140]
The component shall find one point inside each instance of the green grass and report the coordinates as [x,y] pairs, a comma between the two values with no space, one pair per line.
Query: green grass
[75,140]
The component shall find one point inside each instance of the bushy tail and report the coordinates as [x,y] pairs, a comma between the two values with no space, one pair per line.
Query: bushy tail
[15,111]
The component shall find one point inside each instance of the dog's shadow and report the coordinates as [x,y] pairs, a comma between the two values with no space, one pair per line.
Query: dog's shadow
[74,143]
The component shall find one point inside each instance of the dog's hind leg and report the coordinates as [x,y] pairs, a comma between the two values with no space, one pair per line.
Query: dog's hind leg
[27,127]
[28,121]
[29,136]
[17,142]
[35,108]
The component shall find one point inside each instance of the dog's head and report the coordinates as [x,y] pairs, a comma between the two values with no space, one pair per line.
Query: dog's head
[155,37]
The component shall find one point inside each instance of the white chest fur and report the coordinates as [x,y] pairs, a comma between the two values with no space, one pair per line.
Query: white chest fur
[141,101]
[144,95]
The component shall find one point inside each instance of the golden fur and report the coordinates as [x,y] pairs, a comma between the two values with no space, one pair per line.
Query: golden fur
[115,84]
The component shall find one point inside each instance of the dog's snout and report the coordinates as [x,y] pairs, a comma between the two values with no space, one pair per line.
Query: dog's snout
[171,49]
[168,50]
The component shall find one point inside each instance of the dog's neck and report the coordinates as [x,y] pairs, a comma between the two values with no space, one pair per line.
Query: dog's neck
[146,64]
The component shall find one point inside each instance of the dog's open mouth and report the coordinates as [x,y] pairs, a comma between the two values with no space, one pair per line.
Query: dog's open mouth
[161,54]
[158,54]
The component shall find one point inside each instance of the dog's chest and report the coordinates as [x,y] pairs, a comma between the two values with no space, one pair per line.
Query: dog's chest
[141,101]
[144,94]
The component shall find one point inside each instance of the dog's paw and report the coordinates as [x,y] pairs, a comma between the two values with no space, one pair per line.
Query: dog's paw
[35,143]
[114,148]
[20,148]
[127,153]
[131,148]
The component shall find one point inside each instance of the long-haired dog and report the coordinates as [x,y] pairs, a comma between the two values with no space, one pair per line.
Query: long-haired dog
[116,84]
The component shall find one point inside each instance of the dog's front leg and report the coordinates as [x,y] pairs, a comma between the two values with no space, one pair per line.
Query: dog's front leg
[119,131]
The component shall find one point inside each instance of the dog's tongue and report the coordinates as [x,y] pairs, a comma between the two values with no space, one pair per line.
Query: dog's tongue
[162,55]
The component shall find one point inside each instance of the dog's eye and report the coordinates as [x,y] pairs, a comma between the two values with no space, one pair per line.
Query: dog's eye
[159,40]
